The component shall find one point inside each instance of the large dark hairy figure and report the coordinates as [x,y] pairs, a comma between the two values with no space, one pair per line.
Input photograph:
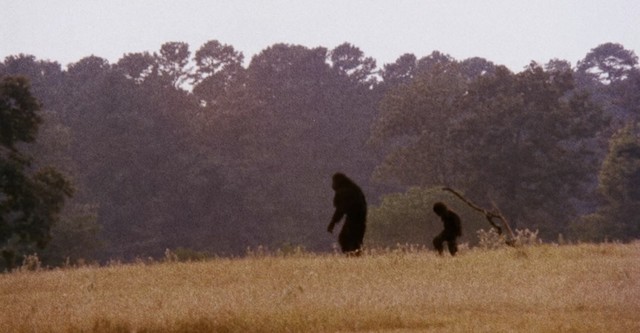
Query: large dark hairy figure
[349,200]
[452,229]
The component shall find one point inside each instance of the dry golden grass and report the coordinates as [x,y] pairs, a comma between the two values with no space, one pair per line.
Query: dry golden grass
[579,288]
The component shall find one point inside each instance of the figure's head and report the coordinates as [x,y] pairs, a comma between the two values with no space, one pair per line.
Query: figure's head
[440,208]
[340,180]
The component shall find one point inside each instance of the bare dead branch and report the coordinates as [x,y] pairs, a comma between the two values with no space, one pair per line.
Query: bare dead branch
[489,215]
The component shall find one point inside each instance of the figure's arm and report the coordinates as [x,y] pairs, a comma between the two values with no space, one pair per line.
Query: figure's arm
[338,214]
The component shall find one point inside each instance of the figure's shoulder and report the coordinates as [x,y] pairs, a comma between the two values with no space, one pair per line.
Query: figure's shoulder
[453,215]
[342,193]
[348,189]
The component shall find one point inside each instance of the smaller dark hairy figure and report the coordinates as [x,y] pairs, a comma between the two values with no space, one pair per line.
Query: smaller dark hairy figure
[452,229]
[350,201]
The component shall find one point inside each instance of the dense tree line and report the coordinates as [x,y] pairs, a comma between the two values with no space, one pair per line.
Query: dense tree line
[173,149]
[31,195]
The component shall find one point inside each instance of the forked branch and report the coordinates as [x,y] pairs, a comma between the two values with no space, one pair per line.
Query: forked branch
[489,215]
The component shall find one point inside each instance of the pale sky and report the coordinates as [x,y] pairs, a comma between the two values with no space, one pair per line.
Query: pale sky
[508,32]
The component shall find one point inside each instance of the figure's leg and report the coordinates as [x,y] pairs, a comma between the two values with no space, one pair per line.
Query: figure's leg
[352,236]
[343,240]
[350,246]
[358,239]
[453,246]
[437,243]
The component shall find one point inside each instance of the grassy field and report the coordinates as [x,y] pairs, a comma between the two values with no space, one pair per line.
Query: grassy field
[546,288]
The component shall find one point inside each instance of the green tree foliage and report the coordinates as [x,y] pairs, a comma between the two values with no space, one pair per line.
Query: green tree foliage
[30,199]
[19,118]
[219,74]
[172,61]
[608,63]
[401,71]
[621,168]
[177,150]
[611,74]
[138,66]
[413,120]
[306,119]
[350,61]
[619,187]
[519,139]
[156,183]
[74,237]
[529,145]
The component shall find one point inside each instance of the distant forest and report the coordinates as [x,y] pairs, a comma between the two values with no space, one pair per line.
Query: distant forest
[204,152]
